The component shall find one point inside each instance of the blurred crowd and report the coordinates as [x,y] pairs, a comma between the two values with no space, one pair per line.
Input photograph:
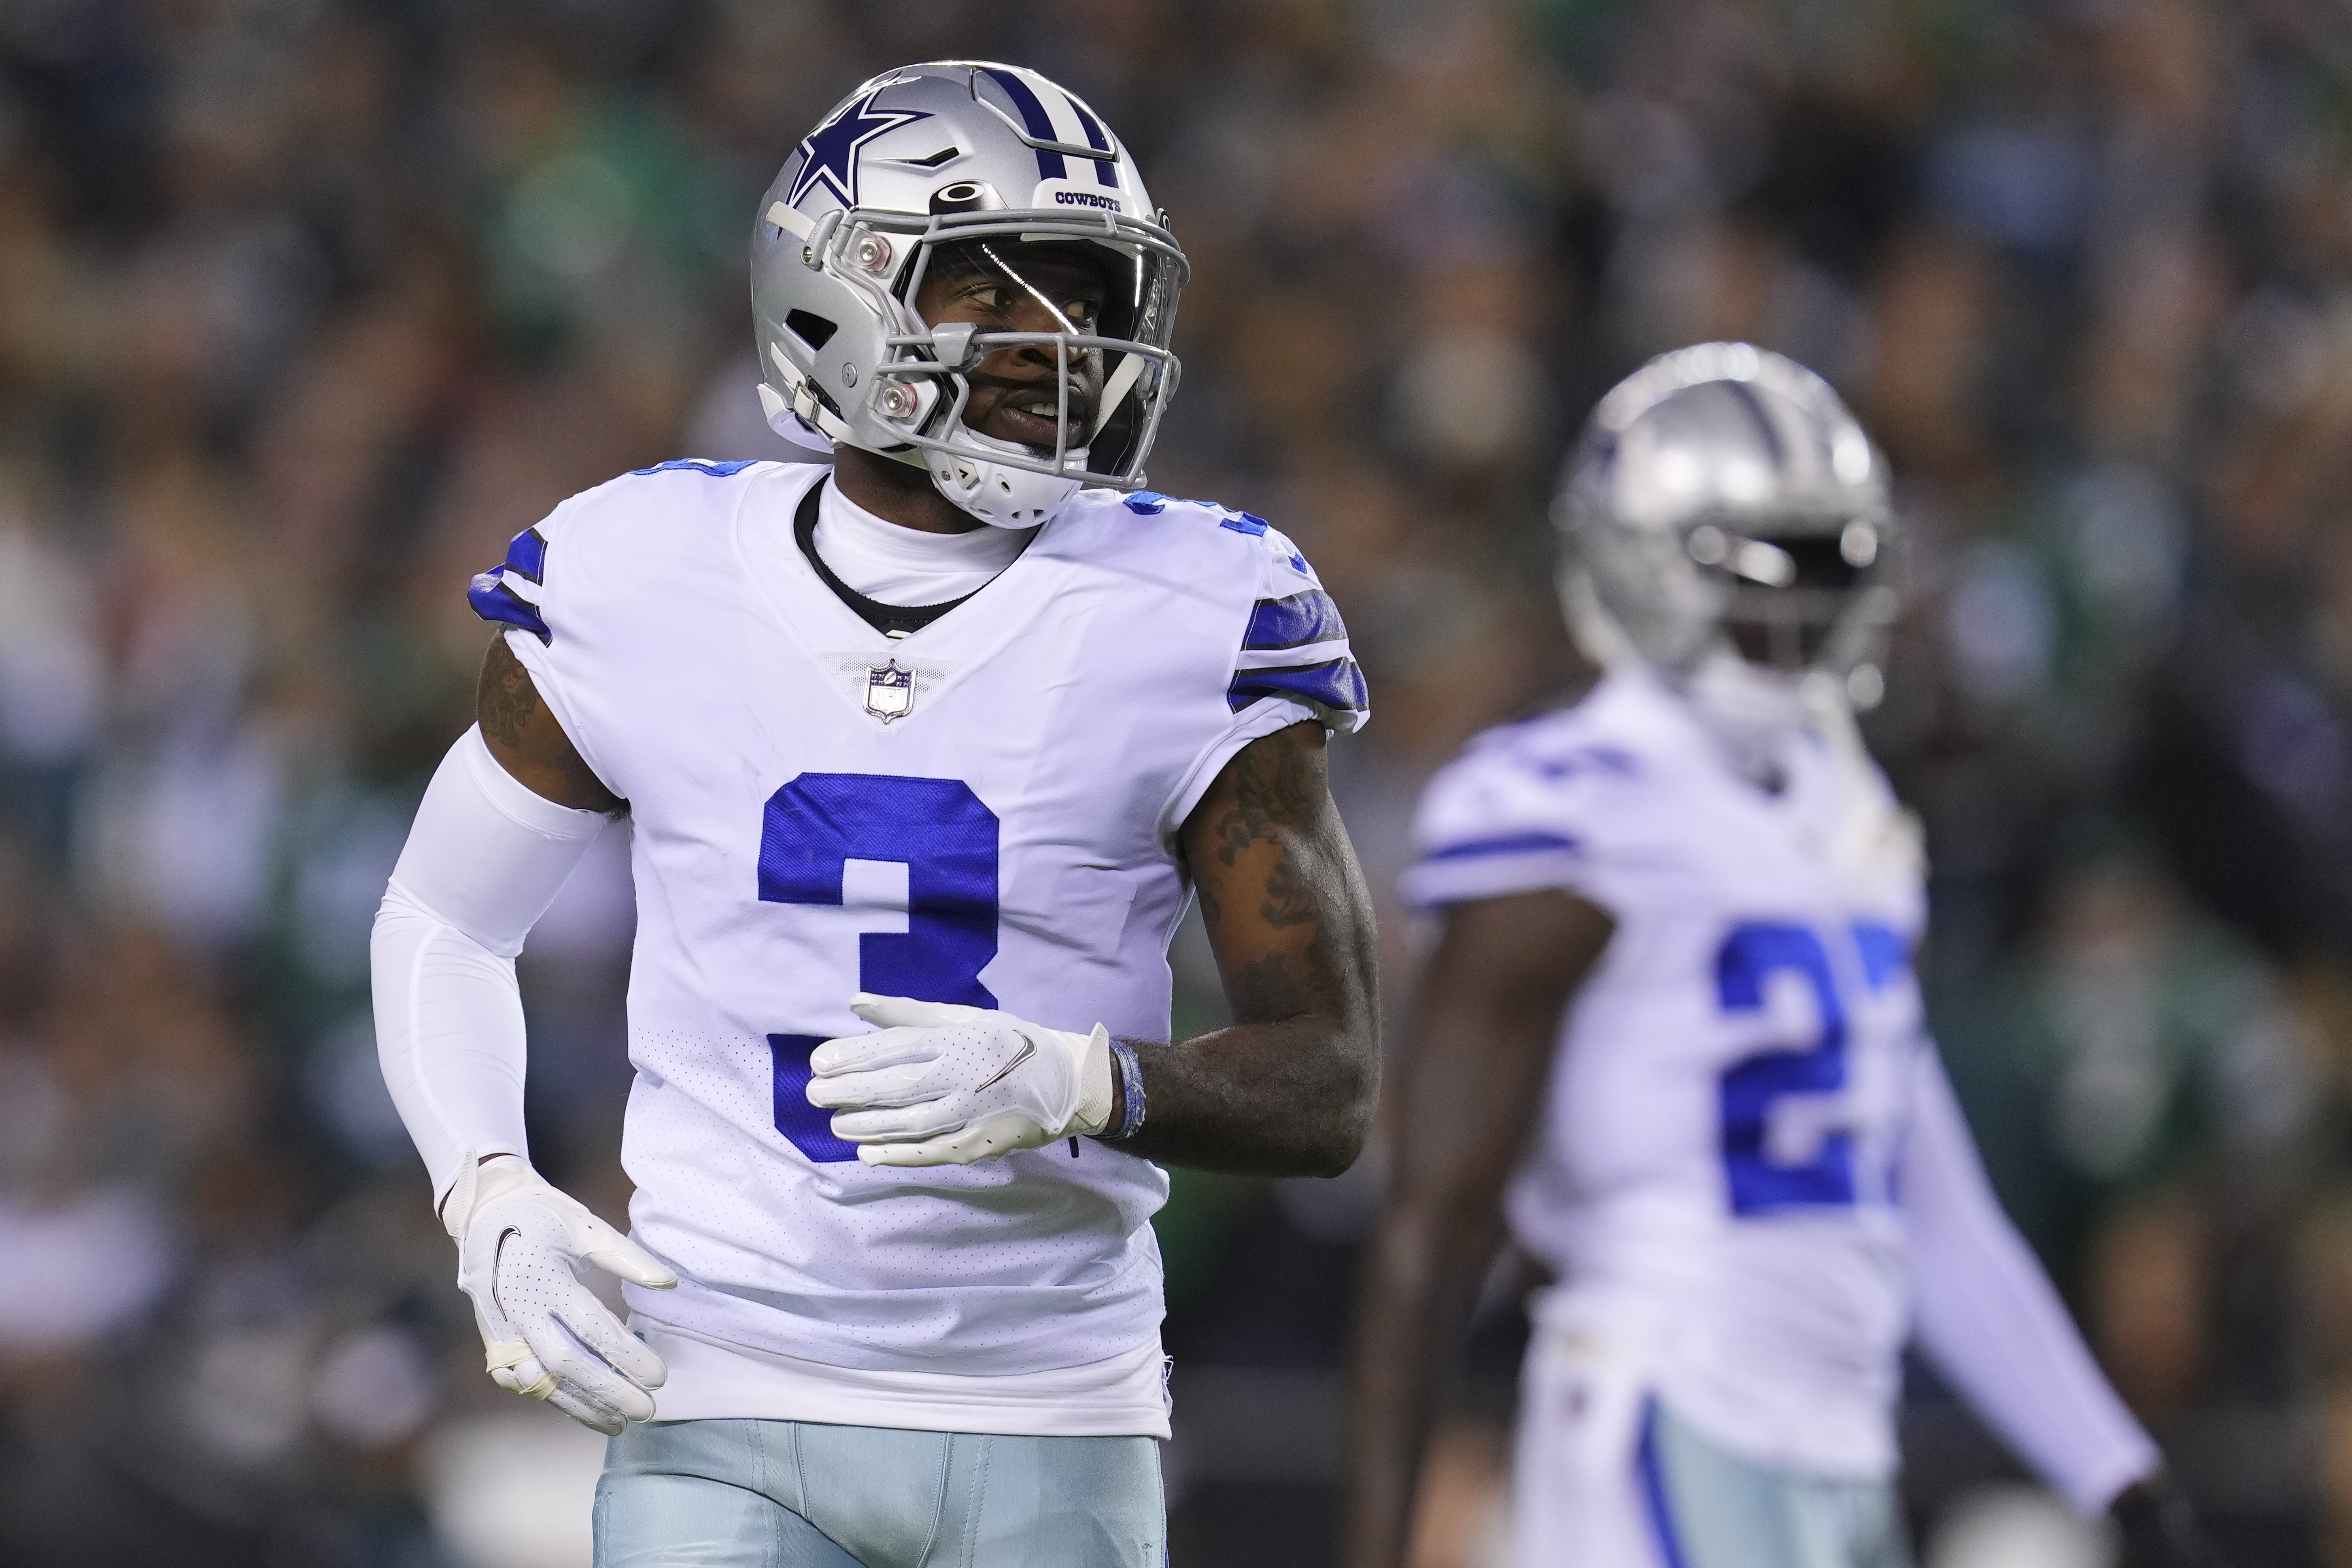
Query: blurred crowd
[307,305]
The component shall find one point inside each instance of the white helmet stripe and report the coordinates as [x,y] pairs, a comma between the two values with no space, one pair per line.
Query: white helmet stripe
[789,221]
[1105,173]
[1114,393]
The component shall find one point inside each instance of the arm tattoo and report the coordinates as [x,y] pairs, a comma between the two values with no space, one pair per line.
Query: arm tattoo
[1288,899]
[1278,856]
[1277,986]
[523,734]
[1270,793]
[1273,811]
[506,698]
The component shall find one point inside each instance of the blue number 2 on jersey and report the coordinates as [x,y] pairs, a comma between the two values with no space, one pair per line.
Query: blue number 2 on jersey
[947,841]
[1749,956]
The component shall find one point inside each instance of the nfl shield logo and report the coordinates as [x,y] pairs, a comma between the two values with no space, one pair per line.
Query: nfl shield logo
[889,691]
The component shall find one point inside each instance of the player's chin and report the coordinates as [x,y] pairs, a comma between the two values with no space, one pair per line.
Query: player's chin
[1034,428]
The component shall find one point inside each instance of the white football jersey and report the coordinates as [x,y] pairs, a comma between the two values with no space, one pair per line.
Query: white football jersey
[983,812]
[1713,1170]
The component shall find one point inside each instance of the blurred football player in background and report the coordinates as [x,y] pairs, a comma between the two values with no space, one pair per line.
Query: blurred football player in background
[897,755]
[1670,1013]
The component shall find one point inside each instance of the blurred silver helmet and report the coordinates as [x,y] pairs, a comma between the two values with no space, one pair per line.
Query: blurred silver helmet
[991,160]
[1722,501]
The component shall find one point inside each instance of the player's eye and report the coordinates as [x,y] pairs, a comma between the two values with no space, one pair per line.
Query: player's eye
[1082,313]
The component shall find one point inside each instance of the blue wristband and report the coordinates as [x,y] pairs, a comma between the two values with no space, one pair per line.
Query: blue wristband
[1130,1090]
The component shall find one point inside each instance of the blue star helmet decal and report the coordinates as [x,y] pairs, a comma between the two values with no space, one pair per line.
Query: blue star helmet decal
[829,156]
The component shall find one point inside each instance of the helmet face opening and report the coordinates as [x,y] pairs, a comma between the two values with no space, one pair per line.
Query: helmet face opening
[1051,342]
[1786,595]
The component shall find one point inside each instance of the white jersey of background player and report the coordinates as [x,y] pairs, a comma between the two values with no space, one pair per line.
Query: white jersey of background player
[935,741]
[1672,1008]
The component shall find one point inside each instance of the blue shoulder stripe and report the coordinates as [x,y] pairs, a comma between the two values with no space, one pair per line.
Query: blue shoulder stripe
[1507,843]
[495,602]
[1337,684]
[1294,622]
[528,556]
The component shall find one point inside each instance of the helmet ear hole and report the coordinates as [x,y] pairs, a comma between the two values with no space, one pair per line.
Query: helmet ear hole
[964,196]
[811,328]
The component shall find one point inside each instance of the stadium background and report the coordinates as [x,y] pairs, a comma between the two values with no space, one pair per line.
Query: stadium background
[305,306]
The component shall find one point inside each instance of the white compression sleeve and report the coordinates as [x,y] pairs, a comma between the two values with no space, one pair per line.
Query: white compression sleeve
[483,861]
[1993,1323]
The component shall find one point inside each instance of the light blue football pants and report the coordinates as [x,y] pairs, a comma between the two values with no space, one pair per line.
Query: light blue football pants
[793,1494]
[1712,1509]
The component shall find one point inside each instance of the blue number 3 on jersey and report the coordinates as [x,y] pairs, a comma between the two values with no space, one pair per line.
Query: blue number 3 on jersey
[940,830]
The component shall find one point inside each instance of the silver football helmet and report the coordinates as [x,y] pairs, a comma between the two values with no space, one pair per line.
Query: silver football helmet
[964,164]
[1723,511]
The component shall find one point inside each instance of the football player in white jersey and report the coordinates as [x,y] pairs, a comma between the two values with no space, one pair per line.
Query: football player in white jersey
[923,755]
[1669,1023]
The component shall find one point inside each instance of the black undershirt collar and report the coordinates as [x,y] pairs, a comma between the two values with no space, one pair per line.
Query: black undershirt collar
[890,620]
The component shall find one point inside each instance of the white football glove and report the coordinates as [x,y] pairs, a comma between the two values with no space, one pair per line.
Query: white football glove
[941,1084]
[520,1245]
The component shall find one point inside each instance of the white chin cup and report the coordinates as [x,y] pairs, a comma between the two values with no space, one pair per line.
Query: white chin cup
[999,494]
[1753,711]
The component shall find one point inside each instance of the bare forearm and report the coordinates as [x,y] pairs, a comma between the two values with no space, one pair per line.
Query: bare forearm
[1287,1098]
[1478,1054]
[1419,1284]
